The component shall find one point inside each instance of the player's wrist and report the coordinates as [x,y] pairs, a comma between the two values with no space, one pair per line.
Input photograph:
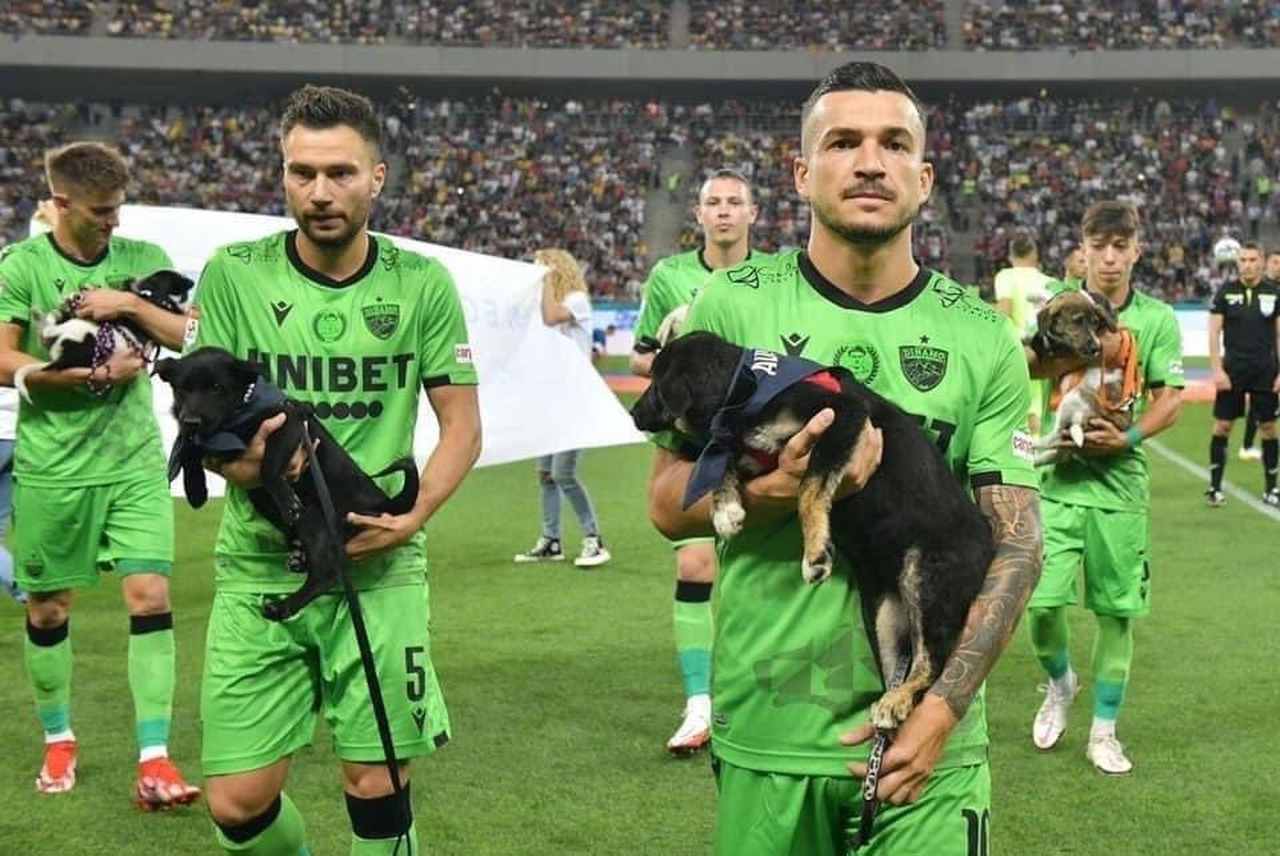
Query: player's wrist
[1133,436]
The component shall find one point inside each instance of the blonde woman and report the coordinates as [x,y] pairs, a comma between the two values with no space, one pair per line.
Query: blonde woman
[566,307]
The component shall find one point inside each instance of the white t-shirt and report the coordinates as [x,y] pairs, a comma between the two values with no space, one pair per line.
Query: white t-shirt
[8,413]
[578,328]
[1026,289]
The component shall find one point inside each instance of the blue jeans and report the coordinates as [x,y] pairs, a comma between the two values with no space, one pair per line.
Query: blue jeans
[558,474]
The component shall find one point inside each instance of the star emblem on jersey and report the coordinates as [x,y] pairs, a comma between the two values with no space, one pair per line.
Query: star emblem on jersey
[419,718]
[924,340]
[329,326]
[862,360]
[381,319]
[748,275]
[794,344]
[281,310]
[922,365]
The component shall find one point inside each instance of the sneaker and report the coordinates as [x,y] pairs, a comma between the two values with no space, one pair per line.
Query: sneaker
[545,550]
[593,553]
[58,773]
[693,734]
[1251,453]
[1215,498]
[1272,497]
[1051,720]
[1107,754]
[160,786]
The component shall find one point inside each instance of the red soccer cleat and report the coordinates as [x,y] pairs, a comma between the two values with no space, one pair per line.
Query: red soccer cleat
[161,786]
[58,774]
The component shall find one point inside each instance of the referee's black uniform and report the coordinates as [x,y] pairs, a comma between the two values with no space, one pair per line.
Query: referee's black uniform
[1249,358]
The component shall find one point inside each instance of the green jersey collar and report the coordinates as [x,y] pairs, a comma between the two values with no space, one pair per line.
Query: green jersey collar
[831,292]
[291,250]
[94,262]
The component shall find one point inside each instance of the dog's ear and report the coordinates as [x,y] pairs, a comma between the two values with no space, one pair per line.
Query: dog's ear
[167,369]
[1106,311]
[675,395]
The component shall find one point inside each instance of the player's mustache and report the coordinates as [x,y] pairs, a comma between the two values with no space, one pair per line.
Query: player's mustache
[869,189]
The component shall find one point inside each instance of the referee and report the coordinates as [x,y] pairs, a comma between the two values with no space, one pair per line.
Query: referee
[1245,314]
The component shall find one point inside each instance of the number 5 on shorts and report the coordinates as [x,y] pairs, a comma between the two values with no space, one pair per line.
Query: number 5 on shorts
[416,687]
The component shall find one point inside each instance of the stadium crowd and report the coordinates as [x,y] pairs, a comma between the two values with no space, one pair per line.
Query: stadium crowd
[46,17]
[509,175]
[1123,24]
[816,24]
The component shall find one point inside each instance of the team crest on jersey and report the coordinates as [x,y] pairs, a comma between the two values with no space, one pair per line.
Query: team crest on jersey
[1267,303]
[862,360]
[382,319]
[923,366]
[748,275]
[329,326]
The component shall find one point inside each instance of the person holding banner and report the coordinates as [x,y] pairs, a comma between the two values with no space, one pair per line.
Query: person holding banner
[359,329]
[726,210]
[90,490]
[566,307]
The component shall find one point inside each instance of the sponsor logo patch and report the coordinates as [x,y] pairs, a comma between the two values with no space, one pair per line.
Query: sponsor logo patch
[281,310]
[794,344]
[1024,446]
[462,354]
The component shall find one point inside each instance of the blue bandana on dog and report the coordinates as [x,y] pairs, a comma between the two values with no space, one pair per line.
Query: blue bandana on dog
[759,378]
[229,440]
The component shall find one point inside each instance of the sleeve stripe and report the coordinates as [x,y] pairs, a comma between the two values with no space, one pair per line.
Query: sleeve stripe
[444,380]
[986,480]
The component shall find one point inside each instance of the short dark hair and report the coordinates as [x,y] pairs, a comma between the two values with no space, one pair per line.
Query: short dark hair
[321,107]
[1111,218]
[726,172]
[1022,245]
[861,76]
[1253,245]
[91,166]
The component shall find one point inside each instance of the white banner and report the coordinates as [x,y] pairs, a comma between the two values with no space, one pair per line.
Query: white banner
[538,393]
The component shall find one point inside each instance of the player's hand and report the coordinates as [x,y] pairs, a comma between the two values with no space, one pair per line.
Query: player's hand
[122,368]
[246,470]
[1275,386]
[381,533]
[106,304]
[910,759]
[1101,439]
[1221,380]
[781,486]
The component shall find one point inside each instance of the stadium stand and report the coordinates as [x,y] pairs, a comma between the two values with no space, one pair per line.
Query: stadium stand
[819,24]
[46,17]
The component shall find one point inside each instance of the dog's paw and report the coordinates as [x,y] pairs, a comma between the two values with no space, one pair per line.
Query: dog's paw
[727,519]
[818,568]
[1077,435]
[296,561]
[892,709]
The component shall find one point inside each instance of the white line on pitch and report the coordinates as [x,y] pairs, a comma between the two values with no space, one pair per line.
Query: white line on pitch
[1201,473]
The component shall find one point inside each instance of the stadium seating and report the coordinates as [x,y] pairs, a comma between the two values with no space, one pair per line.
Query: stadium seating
[47,17]
[819,24]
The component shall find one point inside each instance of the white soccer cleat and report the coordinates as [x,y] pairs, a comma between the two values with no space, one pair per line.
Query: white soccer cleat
[694,732]
[1051,720]
[1107,754]
[593,553]
[1251,453]
[1272,497]
[1215,498]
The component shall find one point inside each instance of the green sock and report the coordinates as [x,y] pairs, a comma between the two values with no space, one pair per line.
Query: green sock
[1112,656]
[279,832]
[151,668]
[408,846]
[694,629]
[48,657]
[1050,638]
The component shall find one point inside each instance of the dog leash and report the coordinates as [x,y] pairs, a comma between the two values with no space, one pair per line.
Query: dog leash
[870,803]
[362,643]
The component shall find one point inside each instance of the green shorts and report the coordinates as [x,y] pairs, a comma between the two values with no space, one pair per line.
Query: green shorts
[774,814]
[63,536]
[681,543]
[266,681]
[1113,548]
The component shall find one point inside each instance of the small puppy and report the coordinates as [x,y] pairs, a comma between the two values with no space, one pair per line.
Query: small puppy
[1084,324]
[918,545]
[219,402]
[75,342]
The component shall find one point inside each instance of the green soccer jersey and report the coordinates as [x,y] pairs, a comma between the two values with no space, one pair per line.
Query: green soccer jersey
[793,668]
[359,351]
[674,282]
[1123,482]
[72,437]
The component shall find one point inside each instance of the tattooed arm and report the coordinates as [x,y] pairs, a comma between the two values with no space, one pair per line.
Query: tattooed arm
[1014,513]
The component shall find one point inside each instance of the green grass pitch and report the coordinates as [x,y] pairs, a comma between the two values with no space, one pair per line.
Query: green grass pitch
[562,687]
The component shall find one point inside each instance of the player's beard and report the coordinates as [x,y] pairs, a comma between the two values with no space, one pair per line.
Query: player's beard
[355,220]
[863,235]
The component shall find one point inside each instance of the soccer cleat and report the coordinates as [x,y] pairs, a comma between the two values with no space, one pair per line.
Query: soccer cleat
[693,734]
[1250,453]
[160,786]
[593,553]
[1215,498]
[1051,720]
[545,550]
[1108,756]
[1272,497]
[58,773]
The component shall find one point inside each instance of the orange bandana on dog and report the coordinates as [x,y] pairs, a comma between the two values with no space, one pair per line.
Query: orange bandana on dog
[1130,388]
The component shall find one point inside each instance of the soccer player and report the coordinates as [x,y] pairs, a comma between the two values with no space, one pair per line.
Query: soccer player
[91,489]
[794,671]
[725,212]
[359,328]
[1244,333]
[1076,269]
[1021,290]
[1097,503]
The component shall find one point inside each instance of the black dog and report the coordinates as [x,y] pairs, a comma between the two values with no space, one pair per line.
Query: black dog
[918,545]
[75,342]
[219,402]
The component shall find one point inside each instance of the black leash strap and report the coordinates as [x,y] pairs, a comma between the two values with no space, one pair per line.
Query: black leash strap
[362,642]
[870,803]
